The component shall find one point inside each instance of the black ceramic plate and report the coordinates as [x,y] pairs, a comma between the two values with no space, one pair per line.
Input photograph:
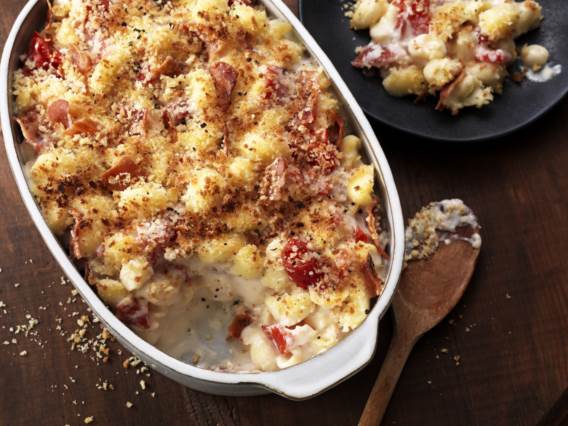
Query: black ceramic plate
[515,108]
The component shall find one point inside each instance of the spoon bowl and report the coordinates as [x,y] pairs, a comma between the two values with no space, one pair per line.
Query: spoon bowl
[431,288]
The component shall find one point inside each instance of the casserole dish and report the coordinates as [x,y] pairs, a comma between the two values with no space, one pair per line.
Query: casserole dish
[295,382]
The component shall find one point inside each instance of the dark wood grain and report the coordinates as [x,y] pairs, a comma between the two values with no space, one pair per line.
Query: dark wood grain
[510,331]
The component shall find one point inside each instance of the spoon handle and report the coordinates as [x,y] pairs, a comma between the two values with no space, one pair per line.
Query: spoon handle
[399,350]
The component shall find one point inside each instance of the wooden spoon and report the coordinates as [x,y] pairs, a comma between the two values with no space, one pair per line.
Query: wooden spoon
[429,289]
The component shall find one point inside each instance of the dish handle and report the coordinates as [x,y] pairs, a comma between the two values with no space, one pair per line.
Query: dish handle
[321,373]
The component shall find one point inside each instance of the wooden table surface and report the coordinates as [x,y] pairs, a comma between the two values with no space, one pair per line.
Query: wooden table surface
[501,359]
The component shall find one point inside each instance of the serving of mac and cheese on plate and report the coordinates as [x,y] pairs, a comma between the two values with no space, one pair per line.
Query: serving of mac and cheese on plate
[197,166]
[455,50]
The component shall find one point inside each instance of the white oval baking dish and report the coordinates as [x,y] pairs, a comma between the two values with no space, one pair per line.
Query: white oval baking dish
[302,381]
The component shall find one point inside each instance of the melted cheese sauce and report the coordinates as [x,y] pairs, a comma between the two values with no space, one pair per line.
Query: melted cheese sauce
[547,73]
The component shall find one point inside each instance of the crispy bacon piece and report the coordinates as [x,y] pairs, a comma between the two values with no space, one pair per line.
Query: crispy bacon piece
[84,64]
[118,177]
[446,92]
[373,55]
[225,78]
[169,67]
[374,230]
[275,88]
[310,145]
[156,235]
[373,283]
[307,116]
[83,126]
[58,112]
[279,337]
[277,171]
[245,2]
[239,323]
[29,124]
[309,91]
[413,17]
[336,132]
[79,223]
[282,181]
[142,121]
[273,184]
[301,126]
[321,152]
[82,60]
[133,312]
[300,264]
[63,112]
[177,113]
[169,125]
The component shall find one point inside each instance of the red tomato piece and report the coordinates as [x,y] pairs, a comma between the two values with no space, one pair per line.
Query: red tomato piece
[360,235]
[278,335]
[133,312]
[299,263]
[39,51]
[43,54]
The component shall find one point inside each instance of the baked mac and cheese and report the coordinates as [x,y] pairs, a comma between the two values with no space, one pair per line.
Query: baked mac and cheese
[194,161]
